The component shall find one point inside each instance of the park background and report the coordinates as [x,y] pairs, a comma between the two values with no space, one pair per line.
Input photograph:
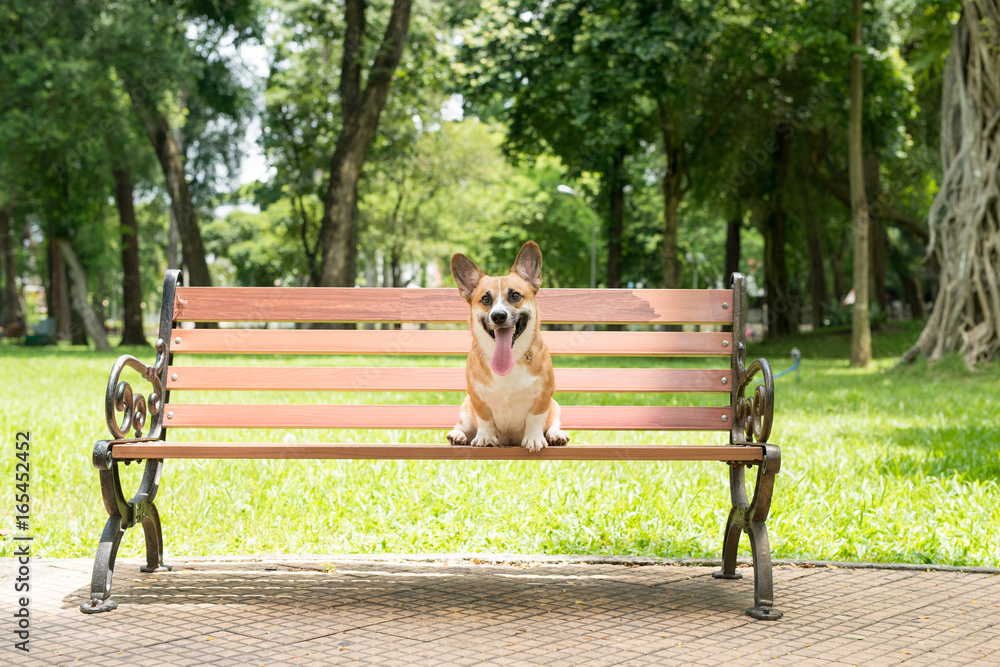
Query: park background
[641,144]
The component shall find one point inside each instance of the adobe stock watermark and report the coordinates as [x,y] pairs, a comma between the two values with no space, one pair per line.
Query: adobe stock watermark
[22,540]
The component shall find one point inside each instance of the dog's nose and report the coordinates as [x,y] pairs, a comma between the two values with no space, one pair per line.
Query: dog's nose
[498,317]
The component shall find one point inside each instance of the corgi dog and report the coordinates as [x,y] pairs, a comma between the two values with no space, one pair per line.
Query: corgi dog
[509,370]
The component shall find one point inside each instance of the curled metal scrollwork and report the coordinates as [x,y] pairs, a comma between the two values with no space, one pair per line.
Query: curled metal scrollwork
[135,408]
[754,413]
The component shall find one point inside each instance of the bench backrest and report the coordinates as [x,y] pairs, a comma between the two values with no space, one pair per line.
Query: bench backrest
[182,373]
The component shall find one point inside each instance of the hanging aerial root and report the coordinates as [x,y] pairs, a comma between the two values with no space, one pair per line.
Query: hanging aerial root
[964,220]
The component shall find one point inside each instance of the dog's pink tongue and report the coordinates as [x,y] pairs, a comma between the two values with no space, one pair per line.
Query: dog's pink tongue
[503,355]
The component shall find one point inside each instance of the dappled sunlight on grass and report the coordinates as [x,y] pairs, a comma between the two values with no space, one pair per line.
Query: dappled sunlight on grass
[879,464]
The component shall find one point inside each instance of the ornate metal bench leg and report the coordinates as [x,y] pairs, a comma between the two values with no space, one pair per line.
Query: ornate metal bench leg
[124,513]
[751,517]
[734,526]
[104,568]
[133,408]
[763,584]
[154,540]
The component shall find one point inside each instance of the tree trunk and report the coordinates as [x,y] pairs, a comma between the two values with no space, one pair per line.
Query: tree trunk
[168,153]
[818,295]
[879,239]
[395,266]
[616,218]
[132,333]
[77,327]
[12,311]
[94,328]
[781,310]
[733,230]
[97,301]
[861,333]
[965,215]
[672,196]
[837,254]
[878,242]
[911,289]
[338,229]
[59,309]
[395,277]
[173,241]
[672,186]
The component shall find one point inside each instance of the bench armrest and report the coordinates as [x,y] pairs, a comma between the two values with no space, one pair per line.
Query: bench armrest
[135,407]
[102,458]
[753,413]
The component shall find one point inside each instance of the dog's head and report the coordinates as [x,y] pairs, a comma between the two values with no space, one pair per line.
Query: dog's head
[502,307]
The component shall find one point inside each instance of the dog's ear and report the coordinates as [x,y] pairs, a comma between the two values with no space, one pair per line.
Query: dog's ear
[528,264]
[466,274]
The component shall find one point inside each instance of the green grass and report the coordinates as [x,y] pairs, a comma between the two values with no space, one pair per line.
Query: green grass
[877,465]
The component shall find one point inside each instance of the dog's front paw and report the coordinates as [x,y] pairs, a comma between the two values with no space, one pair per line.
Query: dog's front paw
[534,444]
[485,440]
[457,437]
[557,437]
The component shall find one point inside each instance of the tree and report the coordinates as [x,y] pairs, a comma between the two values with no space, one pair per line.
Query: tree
[421,195]
[89,321]
[168,61]
[262,249]
[54,100]
[12,310]
[361,111]
[861,333]
[964,220]
[773,154]
[326,100]
[132,333]
[555,76]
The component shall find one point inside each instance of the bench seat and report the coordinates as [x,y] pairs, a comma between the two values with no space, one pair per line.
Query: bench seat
[320,450]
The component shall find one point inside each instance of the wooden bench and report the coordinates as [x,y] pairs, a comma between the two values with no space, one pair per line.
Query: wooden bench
[746,419]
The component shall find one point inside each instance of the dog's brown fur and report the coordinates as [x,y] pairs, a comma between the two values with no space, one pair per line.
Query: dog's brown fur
[516,408]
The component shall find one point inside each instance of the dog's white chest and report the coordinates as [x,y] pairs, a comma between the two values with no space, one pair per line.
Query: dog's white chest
[510,398]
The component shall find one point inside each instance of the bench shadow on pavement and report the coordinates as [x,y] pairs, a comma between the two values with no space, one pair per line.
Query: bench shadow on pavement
[356,594]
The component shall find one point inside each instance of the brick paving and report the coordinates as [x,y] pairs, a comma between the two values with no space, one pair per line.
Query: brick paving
[354,611]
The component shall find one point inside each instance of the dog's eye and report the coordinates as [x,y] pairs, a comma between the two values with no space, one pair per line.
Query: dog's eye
[486,300]
[515,297]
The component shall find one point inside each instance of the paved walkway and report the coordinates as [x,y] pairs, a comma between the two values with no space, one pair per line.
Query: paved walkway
[291,611]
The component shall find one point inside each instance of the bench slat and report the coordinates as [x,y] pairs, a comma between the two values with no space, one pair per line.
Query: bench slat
[275,450]
[296,378]
[345,304]
[596,418]
[317,341]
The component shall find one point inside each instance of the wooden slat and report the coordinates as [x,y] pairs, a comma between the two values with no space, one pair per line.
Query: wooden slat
[344,304]
[317,341]
[596,418]
[268,450]
[299,378]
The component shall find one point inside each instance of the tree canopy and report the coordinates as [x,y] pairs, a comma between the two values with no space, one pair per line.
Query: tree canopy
[672,142]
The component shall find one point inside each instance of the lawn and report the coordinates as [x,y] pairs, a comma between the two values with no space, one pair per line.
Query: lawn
[877,465]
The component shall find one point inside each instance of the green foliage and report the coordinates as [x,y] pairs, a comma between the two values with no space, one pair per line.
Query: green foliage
[532,208]
[544,70]
[303,117]
[180,59]
[417,203]
[262,249]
